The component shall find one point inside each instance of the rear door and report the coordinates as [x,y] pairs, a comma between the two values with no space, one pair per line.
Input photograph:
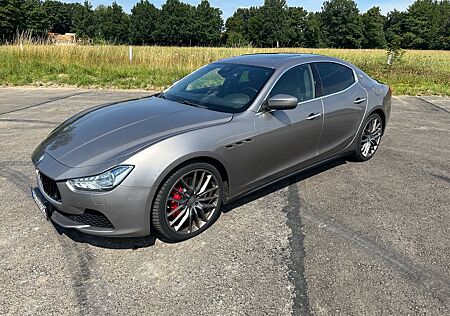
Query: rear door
[344,103]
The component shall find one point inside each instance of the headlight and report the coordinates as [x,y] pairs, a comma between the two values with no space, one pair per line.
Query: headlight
[102,182]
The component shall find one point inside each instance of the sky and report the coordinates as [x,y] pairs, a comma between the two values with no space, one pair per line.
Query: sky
[229,6]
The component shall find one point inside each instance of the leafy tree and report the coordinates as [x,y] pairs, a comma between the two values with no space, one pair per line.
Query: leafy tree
[342,24]
[268,27]
[176,26]
[57,16]
[112,24]
[144,21]
[11,18]
[426,20]
[208,24]
[394,29]
[297,28]
[424,25]
[313,33]
[421,23]
[443,31]
[83,20]
[234,39]
[36,19]
[373,24]
[237,27]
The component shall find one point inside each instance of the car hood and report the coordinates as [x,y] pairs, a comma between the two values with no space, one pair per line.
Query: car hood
[112,131]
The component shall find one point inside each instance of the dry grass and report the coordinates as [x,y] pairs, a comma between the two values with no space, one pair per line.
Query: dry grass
[154,67]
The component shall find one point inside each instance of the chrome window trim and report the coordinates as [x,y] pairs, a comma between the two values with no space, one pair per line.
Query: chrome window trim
[316,98]
[355,77]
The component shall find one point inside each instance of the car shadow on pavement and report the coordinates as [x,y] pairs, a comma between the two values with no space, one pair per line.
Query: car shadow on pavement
[148,241]
[281,184]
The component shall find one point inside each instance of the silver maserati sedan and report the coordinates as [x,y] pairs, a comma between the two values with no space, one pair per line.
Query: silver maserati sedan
[170,161]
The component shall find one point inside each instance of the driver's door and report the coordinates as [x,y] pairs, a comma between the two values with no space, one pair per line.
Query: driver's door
[287,140]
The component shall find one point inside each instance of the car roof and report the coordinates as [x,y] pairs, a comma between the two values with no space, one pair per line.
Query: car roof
[273,60]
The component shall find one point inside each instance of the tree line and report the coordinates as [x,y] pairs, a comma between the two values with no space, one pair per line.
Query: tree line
[340,24]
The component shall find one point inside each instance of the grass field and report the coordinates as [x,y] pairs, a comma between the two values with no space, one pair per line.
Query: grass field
[153,67]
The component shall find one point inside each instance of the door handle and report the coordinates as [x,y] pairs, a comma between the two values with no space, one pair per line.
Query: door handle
[313,116]
[360,100]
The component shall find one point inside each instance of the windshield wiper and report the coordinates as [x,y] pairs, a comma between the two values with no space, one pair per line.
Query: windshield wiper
[162,96]
[192,104]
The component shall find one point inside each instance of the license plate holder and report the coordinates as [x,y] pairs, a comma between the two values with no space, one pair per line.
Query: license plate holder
[42,204]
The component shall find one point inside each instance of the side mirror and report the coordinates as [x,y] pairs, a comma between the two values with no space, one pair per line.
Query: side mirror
[282,102]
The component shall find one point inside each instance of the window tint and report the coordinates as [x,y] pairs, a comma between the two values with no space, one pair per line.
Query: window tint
[208,80]
[244,77]
[335,77]
[297,82]
[225,87]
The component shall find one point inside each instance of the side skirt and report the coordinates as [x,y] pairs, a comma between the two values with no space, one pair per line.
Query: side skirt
[257,188]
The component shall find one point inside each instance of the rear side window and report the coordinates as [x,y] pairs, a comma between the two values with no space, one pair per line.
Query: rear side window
[335,77]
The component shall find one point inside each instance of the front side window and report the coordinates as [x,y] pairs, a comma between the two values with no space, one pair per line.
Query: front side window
[297,82]
[224,87]
[335,77]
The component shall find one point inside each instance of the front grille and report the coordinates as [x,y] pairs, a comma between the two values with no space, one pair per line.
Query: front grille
[50,188]
[91,218]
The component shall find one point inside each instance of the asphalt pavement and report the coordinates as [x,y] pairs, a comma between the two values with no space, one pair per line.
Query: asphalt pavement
[346,238]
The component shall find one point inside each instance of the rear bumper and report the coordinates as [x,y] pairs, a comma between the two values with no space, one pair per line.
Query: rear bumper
[387,102]
[121,212]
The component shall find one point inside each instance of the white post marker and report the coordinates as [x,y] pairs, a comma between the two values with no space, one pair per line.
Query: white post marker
[131,54]
[390,58]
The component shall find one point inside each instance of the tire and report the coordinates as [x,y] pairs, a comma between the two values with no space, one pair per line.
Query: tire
[367,135]
[176,198]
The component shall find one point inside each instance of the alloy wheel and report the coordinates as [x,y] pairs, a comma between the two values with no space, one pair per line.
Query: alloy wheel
[192,201]
[371,137]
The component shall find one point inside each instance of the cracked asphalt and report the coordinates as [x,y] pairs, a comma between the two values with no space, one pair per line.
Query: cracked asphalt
[345,238]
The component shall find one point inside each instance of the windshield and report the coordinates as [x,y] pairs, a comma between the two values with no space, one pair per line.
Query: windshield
[227,88]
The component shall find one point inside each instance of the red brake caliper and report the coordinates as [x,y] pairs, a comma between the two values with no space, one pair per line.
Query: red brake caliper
[176,196]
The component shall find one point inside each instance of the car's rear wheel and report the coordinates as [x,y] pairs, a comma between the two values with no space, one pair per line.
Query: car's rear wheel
[369,138]
[188,202]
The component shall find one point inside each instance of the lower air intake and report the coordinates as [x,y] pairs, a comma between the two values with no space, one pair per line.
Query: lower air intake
[92,218]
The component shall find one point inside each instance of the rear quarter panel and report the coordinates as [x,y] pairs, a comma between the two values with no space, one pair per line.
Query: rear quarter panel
[379,94]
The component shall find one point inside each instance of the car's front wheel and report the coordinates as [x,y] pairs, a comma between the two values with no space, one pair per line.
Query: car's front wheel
[369,138]
[188,202]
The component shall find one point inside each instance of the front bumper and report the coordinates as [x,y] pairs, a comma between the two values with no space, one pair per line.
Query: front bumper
[126,209]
